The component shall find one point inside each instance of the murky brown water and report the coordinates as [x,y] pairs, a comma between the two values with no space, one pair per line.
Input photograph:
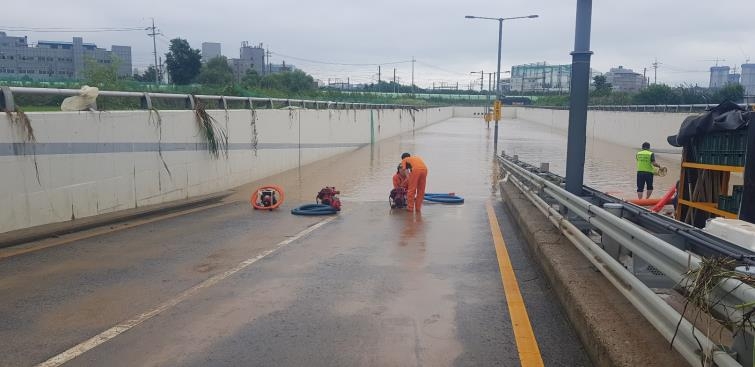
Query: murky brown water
[608,167]
[459,154]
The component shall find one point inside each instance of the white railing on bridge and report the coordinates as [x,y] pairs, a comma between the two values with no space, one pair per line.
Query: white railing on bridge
[734,299]
[7,101]
[649,108]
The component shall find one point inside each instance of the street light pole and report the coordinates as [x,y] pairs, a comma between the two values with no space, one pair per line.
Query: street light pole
[580,88]
[498,72]
[498,83]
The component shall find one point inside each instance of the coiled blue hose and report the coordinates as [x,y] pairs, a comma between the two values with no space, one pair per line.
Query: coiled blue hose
[314,209]
[444,198]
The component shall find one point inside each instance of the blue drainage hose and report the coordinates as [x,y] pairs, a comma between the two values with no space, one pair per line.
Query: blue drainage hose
[444,198]
[314,209]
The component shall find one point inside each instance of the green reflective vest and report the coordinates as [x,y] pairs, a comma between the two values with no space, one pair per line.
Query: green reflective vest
[644,162]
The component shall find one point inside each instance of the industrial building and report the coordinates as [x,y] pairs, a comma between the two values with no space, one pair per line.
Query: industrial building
[748,82]
[210,50]
[56,60]
[542,77]
[625,80]
[719,76]
[250,58]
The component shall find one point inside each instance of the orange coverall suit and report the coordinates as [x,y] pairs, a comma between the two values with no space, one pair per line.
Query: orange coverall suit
[417,181]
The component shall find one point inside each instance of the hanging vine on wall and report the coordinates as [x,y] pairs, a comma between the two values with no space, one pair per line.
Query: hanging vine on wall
[253,124]
[214,135]
[21,123]
[157,120]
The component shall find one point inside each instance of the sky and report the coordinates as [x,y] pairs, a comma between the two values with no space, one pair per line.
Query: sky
[684,36]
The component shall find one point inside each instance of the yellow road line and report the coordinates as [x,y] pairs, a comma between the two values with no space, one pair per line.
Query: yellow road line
[526,344]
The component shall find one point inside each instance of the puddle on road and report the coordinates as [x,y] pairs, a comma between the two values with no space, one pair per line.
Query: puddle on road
[459,154]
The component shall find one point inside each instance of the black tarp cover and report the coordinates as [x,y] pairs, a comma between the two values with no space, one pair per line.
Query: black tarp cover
[726,116]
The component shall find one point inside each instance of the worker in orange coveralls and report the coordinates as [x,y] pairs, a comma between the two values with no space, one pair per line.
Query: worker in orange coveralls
[400,179]
[417,180]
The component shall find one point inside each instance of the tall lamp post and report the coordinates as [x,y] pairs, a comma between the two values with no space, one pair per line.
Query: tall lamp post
[498,72]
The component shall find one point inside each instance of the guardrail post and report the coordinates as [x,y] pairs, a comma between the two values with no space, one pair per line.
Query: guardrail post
[272,104]
[190,102]
[250,103]
[146,101]
[6,100]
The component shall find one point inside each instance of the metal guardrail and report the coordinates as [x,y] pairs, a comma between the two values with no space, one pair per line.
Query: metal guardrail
[7,102]
[682,108]
[670,260]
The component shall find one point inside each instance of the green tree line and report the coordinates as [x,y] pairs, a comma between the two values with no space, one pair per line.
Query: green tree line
[656,94]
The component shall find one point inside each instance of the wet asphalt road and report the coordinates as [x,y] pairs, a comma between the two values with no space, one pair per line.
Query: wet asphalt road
[371,288]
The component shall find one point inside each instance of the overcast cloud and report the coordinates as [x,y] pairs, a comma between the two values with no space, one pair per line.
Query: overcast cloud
[681,34]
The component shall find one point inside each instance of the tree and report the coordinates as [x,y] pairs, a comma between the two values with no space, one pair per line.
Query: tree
[730,92]
[216,72]
[602,86]
[251,79]
[290,81]
[148,76]
[656,94]
[183,62]
[102,75]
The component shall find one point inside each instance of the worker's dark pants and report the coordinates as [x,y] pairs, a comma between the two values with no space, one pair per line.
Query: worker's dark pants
[643,179]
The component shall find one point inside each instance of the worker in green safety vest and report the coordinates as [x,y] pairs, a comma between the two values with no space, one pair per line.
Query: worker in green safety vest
[645,170]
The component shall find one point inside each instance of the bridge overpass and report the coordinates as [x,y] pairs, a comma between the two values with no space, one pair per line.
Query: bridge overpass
[156,277]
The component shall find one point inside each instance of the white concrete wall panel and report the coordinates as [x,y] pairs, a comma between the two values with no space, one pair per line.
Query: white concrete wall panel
[628,129]
[91,163]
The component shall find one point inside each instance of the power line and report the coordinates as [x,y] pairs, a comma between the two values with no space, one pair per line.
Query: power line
[340,63]
[440,68]
[67,30]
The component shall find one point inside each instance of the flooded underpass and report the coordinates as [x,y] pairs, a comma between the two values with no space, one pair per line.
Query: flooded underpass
[228,285]
[608,167]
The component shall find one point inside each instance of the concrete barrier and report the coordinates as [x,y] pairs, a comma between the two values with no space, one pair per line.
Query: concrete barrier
[628,129]
[89,163]
[612,331]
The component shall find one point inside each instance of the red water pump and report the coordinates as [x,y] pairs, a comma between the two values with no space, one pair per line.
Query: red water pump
[329,196]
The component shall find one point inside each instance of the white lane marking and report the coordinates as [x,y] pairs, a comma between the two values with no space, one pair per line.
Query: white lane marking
[118,329]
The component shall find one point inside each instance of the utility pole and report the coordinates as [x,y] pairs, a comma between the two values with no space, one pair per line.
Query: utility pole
[413,61]
[154,34]
[655,71]
[394,80]
[269,66]
[379,78]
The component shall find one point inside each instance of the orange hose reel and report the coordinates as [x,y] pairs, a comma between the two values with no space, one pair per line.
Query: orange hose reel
[265,198]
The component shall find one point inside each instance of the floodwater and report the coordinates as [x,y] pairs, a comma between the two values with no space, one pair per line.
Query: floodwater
[372,287]
[459,154]
[608,167]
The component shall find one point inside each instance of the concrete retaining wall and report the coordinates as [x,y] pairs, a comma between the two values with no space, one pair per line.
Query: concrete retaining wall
[508,112]
[89,163]
[628,129]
